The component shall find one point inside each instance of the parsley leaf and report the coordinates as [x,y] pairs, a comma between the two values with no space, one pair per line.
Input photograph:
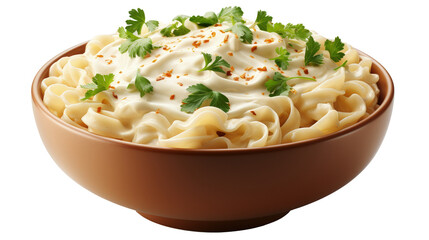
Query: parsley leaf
[289,31]
[210,18]
[201,93]
[142,84]
[278,85]
[311,48]
[152,25]
[243,32]
[174,29]
[262,20]
[138,21]
[99,83]
[283,59]
[334,48]
[230,14]
[215,65]
[134,45]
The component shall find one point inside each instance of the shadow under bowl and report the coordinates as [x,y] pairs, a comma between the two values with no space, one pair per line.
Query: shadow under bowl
[212,189]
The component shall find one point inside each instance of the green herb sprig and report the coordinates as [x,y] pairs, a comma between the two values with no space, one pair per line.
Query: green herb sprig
[215,65]
[99,83]
[201,93]
[277,86]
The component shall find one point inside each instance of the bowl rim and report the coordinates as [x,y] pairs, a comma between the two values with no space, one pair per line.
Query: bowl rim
[37,99]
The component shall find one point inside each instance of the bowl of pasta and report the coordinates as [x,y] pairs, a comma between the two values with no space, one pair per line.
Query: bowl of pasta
[212,124]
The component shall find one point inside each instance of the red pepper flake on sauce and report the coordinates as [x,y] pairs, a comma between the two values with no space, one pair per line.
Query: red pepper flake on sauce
[172,97]
[269,40]
[230,54]
[160,78]
[114,95]
[99,109]
[180,84]
[166,48]
[196,44]
[250,78]
[262,69]
[168,73]
[218,25]
[99,56]
[154,60]
[298,72]
[254,48]
[236,79]
[243,76]
[157,111]
[314,77]
[252,56]
[213,34]
[226,39]
[228,73]
[248,68]
[253,112]
[147,55]
[206,41]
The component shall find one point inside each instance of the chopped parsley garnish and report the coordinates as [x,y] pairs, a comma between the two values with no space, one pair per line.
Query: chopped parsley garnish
[230,14]
[199,94]
[243,32]
[175,29]
[283,59]
[99,83]
[278,85]
[215,65]
[142,84]
[262,20]
[311,48]
[210,18]
[138,20]
[290,31]
[342,65]
[334,48]
[135,46]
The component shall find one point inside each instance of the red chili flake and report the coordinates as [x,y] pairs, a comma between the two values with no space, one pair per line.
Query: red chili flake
[305,70]
[166,48]
[160,78]
[232,68]
[295,50]
[147,55]
[206,41]
[252,56]
[254,48]
[180,84]
[185,74]
[218,25]
[99,56]
[228,73]
[154,60]
[158,55]
[177,76]
[250,78]
[263,93]
[236,36]
[157,111]
[222,31]
[269,40]
[111,87]
[243,76]
[299,51]
[168,73]
[213,34]
[255,42]
[231,54]
[220,134]
[314,77]
[114,95]
[120,72]
[172,97]
[236,79]
[253,112]
[226,39]
[248,68]
[113,56]
[298,72]
[99,109]
[262,69]
[196,44]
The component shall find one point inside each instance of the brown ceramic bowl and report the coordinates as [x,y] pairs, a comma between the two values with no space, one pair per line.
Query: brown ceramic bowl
[212,190]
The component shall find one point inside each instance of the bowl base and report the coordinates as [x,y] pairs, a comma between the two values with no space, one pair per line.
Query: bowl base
[213,226]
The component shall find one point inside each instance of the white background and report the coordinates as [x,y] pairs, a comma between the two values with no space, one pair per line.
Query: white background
[388,200]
